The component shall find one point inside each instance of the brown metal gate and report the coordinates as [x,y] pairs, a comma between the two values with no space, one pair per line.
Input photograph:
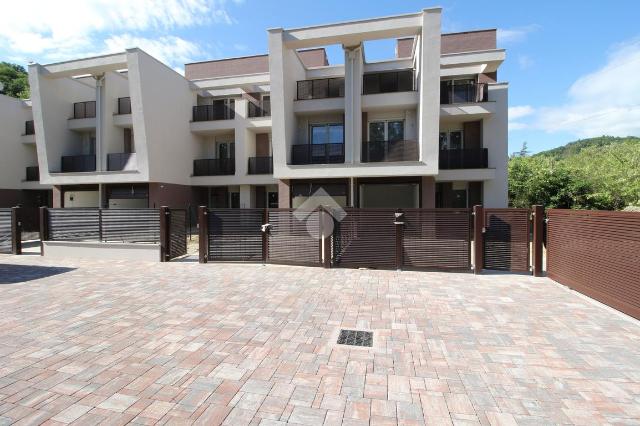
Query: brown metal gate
[5,231]
[598,254]
[235,234]
[437,239]
[365,238]
[293,237]
[177,233]
[506,239]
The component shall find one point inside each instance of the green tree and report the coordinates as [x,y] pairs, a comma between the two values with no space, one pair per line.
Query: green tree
[14,80]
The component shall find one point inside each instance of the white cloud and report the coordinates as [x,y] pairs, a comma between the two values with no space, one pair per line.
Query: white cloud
[525,62]
[171,50]
[515,35]
[518,112]
[606,101]
[240,47]
[63,29]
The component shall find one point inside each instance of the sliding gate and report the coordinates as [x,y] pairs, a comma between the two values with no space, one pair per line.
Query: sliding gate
[235,235]
[293,237]
[5,231]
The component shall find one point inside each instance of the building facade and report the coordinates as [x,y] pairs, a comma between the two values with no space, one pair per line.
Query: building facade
[425,128]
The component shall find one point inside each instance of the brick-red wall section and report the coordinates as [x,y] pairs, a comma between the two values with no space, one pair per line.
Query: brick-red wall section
[248,65]
[404,47]
[596,253]
[468,41]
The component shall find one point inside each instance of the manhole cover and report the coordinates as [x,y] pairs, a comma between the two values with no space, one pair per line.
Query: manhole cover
[355,338]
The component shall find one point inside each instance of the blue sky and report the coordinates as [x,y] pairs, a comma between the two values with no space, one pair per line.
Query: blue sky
[572,66]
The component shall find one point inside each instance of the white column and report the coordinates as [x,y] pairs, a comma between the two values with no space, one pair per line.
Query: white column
[353,65]
[429,87]
[245,196]
[241,139]
[100,161]
[495,139]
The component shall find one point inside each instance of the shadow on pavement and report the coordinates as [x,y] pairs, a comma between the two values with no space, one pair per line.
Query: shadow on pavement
[12,274]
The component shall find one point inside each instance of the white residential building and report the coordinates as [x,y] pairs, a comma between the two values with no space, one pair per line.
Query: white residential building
[19,180]
[425,128]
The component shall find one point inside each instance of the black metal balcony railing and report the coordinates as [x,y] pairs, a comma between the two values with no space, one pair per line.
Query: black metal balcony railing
[29,128]
[260,165]
[214,166]
[79,163]
[477,158]
[463,93]
[321,88]
[124,105]
[388,82]
[84,109]
[381,151]
[260,110]
[326,153]
[213,112]
[118,161]
[33,174]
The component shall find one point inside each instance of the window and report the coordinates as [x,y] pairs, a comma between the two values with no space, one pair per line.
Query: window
[451,140]
[266,105]
[457,91]
[226,150]
[327,133]
[331,193]
[392,130]
[272,200]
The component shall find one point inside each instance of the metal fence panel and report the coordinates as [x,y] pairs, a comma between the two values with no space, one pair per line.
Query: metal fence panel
[130,225]
[294,237]
[437,239]
[598,254]
[506,240]
[235,234]
[5,230]
[178,233]
[366,238]
[74,224]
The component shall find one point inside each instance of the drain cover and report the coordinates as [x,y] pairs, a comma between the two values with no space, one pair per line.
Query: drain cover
[355,338]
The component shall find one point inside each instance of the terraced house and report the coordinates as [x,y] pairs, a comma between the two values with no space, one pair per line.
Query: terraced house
[425,128]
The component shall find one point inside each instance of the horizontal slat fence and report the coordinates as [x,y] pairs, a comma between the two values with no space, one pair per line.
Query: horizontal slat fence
[177,233]
[437,239]
[506,240]
[235,234]
[365,238]
[293,237]
[108,225]
[598,254]
[5,231]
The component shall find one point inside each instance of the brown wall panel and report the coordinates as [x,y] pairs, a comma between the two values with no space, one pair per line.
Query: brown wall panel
[597,253]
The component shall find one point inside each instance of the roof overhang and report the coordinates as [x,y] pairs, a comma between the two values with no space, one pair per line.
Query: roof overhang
[95,65]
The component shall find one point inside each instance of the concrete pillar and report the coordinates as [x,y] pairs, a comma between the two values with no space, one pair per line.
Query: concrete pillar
[353,68]
[245,196]
[429,88]
[241,137]
[284,194]
[100,157]
[495,139]
[428,192]
[57,200]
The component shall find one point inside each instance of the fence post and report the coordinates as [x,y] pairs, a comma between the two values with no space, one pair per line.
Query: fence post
[165,233]
[100,224]
[265,236]
[203,234]
[325,216]
[399,223]
[538,236]
[16,231]
[478,239]
[44,228]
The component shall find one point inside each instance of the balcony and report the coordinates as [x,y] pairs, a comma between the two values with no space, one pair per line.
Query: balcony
[213,112]
[263,109]
[124,106]
[260,165]
[388,82]
[84,110]
[450,159]
[121,161]
[29,128]
[326,153]
[78,163]
[388,151]
[462,93]
[214,167]
[322,88]
[33,174]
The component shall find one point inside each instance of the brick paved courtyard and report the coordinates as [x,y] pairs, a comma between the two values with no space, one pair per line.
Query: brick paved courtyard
[88,342]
